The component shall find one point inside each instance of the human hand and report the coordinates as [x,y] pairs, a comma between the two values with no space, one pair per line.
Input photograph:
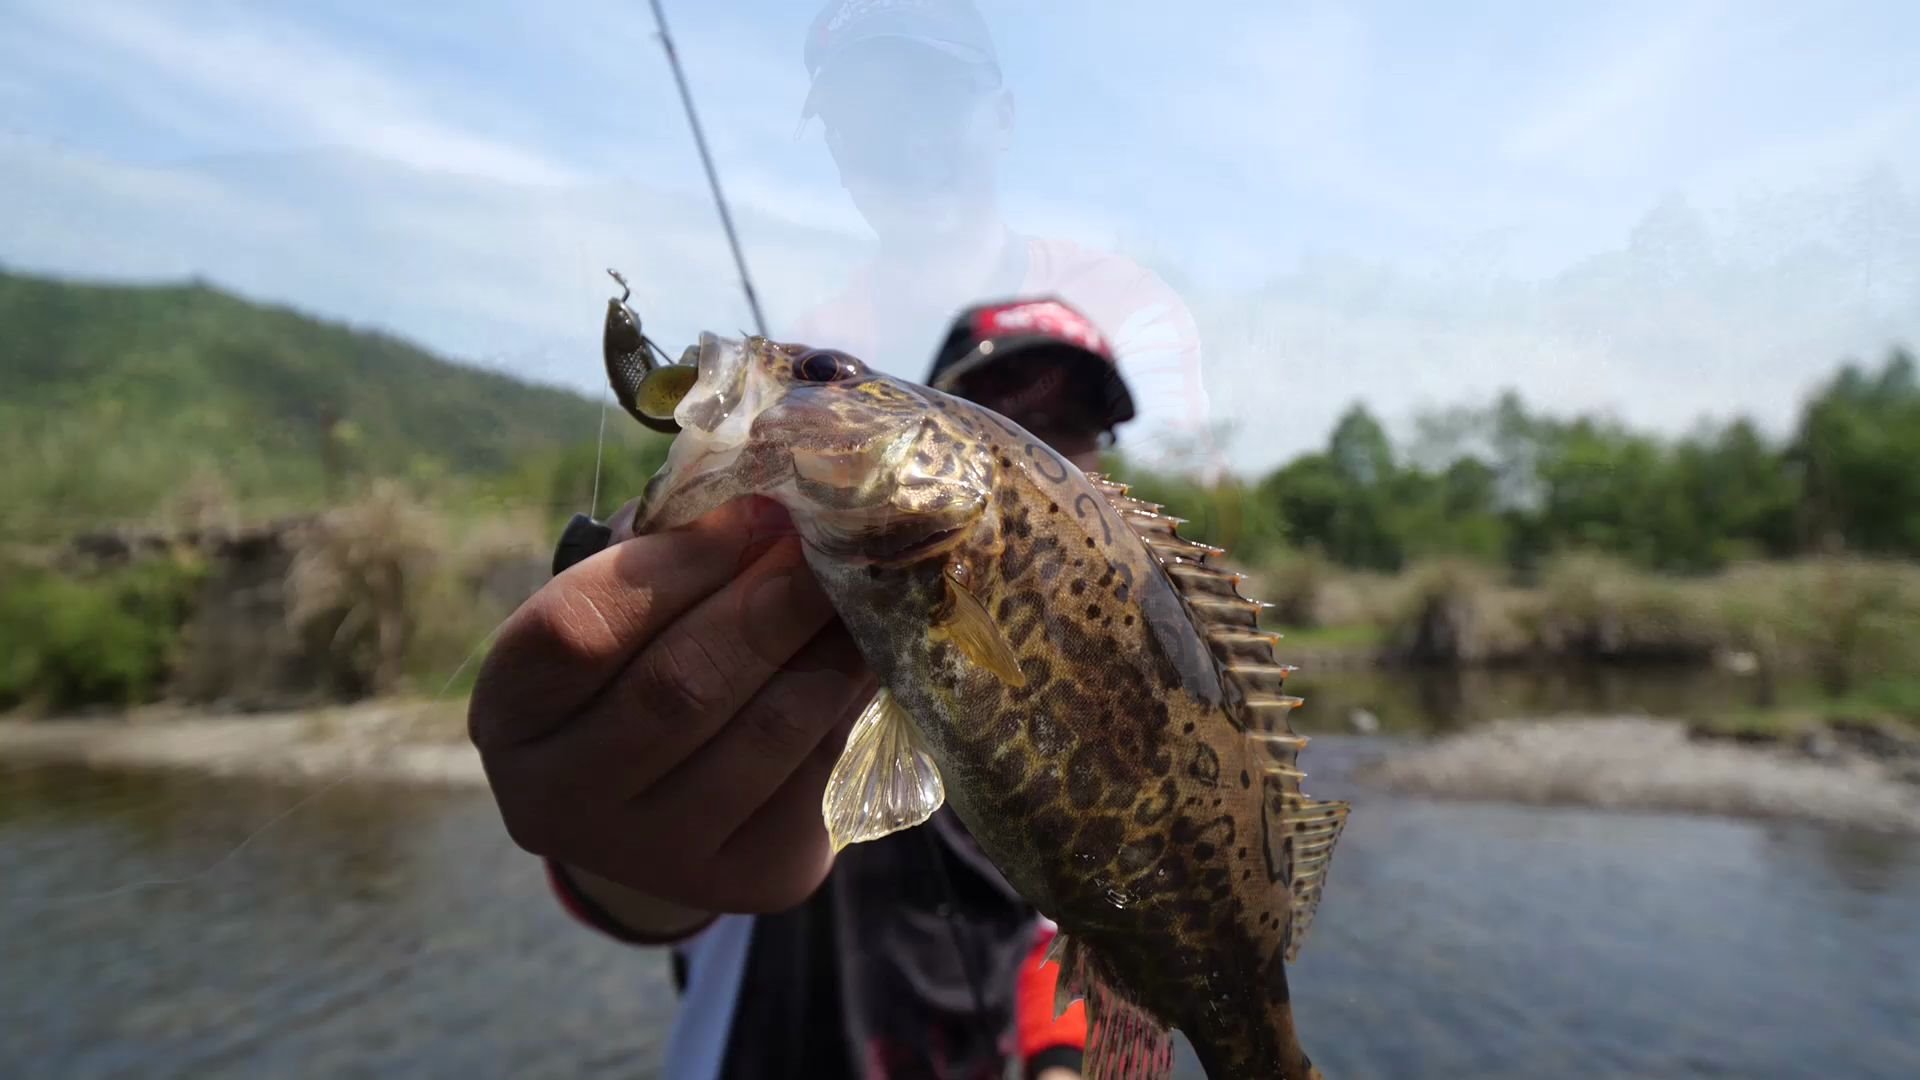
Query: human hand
[663,716]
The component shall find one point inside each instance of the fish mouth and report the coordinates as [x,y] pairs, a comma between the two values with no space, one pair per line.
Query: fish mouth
[892,550]
[887,547]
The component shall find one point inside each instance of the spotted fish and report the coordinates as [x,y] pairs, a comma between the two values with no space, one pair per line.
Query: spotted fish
[1090,693]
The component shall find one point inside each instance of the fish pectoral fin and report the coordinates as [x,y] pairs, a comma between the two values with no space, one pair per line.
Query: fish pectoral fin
[1124,1041]
[1300,835]
[885,779]
[972,630]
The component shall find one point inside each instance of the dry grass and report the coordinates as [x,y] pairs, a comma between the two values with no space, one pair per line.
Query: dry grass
[1309,592]
[399,596]
[1846,621]
[359,585]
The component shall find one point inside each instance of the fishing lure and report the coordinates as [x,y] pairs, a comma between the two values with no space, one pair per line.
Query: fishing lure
[647,384]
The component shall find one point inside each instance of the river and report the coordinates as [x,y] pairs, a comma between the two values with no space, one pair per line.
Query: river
[394,931]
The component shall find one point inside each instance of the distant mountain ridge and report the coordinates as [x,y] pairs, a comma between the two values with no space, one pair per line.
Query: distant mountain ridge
[116,398]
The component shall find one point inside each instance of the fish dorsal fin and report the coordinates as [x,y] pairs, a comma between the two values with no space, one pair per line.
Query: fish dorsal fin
[1301,831]
[885,780]
[1124,1041]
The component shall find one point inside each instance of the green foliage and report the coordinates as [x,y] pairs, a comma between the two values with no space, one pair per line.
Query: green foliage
[1503,484]
[185,406]
[119,404]
[104,639]
[1859,442]
[110,395]
[560,481]
[1895,696]
[1223,513]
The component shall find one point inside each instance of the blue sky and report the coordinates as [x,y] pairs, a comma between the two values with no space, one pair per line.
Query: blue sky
[1660,209]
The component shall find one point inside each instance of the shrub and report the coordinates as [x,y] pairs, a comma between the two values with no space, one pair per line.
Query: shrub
[1597,607]
[102,638]
[1451,611]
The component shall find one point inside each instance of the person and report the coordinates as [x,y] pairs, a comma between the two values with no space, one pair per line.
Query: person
[913,107]
[658,723]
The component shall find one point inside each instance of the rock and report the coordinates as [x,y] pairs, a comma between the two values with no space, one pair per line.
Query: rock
[1874,738]
[1637,764]
[1819,745]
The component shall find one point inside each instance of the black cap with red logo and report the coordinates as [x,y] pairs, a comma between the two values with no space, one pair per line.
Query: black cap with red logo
[1034,347]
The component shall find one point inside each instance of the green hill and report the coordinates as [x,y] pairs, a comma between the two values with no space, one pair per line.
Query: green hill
[116,401]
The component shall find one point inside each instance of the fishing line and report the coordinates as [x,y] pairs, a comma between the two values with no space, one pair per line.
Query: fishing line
[599,449]
[152,883]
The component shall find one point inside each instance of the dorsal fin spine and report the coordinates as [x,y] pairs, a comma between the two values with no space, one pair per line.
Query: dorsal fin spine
[1227,620]
[1229,623]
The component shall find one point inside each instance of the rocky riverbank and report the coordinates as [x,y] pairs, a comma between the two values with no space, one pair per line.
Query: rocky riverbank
[1837,776]
[421,742]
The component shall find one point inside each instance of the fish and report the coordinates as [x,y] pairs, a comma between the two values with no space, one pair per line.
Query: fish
[1088,689]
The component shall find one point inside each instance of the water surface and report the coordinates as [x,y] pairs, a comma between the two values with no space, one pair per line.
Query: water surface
[398,932]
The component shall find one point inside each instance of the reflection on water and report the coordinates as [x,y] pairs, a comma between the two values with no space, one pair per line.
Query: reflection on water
[1442,699]
[397,932]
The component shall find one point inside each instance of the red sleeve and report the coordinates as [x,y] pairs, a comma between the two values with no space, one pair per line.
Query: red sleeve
[1038,1029]
[583,909]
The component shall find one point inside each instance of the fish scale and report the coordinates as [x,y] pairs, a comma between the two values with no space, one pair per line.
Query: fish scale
[1086,687]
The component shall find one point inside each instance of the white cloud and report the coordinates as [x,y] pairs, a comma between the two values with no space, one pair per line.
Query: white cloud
[285,77]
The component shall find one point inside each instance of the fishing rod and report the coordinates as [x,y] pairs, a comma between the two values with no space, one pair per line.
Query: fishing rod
[706,159]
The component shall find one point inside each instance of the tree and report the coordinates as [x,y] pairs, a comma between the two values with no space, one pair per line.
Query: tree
[1858,442]
[1359,449]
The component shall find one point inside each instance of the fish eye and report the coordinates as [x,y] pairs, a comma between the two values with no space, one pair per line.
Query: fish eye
[823,365]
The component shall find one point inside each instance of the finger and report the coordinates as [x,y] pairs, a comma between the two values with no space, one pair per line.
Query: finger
[574,791]
[751,757]
[784,846]
[691,683]
[576,633]
[768,515]
[687,687]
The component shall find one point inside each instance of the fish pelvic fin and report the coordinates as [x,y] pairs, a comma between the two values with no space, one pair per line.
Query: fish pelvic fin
[1124,1041]
[885,780]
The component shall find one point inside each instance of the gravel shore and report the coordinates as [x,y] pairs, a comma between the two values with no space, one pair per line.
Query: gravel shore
[1631,763]
[1619,763]
[405,741]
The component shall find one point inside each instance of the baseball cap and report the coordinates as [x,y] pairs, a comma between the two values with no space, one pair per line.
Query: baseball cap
[988,342]
[953,27]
